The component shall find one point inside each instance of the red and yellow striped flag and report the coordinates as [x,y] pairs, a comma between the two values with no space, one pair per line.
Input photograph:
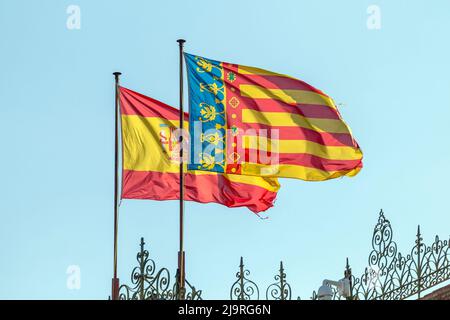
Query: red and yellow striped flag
[151,163]
[269,124]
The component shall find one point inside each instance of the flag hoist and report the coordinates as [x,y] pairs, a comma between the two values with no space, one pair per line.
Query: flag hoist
[115,280]
[181,256]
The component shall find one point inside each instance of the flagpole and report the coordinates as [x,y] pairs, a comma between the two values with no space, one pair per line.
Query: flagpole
[181,256]
[115,280]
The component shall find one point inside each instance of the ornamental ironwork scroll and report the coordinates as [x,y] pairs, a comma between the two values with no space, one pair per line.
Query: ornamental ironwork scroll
[393,276]
[244,288]
[280,290]
[148,283]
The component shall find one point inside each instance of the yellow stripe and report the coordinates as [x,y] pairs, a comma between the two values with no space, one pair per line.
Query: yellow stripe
[143,151]
[287,95]
[285,119]
[302,146]
[267,183]
[295,172]
[258,71]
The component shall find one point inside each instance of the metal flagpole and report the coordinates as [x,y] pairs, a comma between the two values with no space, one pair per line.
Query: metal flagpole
[115,280]
[181,256]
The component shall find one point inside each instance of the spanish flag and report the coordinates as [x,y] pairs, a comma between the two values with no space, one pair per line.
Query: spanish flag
[151,161]
[267,124]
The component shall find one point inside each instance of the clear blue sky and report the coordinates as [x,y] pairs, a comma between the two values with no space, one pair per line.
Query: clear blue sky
[57,104]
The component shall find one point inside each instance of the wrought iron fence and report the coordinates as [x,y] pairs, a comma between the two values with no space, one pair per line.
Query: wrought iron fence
[389,275]
[245,289]
[393,276]
[148,283]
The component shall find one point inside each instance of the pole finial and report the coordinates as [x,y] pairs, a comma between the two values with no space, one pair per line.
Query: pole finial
[117,73]
[181,41]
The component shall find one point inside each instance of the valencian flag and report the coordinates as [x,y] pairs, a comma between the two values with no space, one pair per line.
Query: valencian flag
[250,121]
[151,161]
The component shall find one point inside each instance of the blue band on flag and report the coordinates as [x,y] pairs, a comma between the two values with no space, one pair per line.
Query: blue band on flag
[207,122]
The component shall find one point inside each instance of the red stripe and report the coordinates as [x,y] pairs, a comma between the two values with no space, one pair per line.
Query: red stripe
[299,133]
[305,160]
[199,188]
[134,103]
[305,110]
